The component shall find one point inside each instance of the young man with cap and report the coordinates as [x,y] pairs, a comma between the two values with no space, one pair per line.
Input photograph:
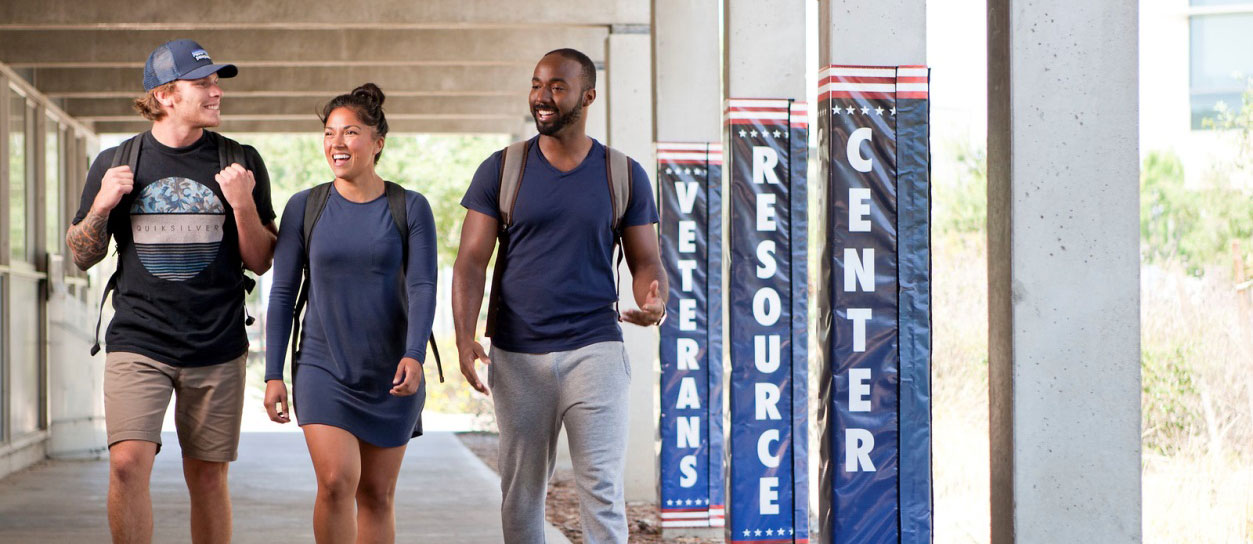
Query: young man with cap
[557,354]
[185,228]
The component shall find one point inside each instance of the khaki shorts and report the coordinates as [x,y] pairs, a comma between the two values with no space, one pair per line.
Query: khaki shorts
[208,404]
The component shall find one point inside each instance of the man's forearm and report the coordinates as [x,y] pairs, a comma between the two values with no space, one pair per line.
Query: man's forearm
[89,239]
[256,242]
[644,277]
[467,300]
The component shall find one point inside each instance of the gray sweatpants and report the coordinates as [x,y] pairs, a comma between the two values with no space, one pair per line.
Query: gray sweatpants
[534,394]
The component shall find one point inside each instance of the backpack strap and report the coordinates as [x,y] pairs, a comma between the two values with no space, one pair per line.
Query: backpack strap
[127,153]
[229,151]
[398,206]
[618,171]
[314,205]
[512,166]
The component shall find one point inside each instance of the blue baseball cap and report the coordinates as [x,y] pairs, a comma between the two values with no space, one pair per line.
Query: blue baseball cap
[181,59]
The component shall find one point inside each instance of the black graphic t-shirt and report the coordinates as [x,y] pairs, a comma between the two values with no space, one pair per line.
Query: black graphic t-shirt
[180,292]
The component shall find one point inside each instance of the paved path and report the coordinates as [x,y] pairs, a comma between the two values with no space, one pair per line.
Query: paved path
[445,494]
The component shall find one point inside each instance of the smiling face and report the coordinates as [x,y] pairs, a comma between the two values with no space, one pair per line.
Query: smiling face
[196,103]
[558,97]
[349,144]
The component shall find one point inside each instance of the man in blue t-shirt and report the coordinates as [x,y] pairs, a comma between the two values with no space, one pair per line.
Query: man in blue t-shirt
[185,227]
[557,355]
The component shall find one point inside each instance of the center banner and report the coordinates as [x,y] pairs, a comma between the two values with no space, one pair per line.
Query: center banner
[874,306]
[766,320]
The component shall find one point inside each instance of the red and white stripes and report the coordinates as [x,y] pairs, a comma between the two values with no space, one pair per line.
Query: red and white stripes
[713,516]
[689,153]
[754,111]
[872,82]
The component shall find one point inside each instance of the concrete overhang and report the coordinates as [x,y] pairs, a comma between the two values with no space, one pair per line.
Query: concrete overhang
[445,65]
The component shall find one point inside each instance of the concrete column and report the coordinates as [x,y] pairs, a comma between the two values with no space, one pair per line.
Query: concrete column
[686,103]
[686,108]
[628,71]
[1063,271]
[764,49]
[872,33]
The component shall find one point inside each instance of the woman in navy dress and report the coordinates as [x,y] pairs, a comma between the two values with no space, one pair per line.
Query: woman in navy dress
[358,383]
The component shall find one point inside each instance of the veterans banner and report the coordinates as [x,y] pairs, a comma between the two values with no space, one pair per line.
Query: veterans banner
[874,305]
[689,180]
[766,304]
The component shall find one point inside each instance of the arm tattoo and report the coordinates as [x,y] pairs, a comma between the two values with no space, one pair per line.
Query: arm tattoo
[89,240]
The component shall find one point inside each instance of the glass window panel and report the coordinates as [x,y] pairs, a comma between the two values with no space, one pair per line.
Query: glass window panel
[27,382]
[17,176]
[1220,62]
[52,186]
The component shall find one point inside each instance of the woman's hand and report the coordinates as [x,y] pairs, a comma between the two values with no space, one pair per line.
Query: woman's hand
[408,377]
[276,401]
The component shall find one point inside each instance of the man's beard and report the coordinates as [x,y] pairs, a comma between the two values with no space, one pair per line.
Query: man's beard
[562,121]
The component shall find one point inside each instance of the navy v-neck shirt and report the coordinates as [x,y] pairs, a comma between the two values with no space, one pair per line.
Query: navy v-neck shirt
[557,292]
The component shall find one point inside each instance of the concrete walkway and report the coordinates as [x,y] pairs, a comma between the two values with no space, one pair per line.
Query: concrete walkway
[445,494]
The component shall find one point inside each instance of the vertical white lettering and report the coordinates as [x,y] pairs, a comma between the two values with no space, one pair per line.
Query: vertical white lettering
[686,267]
[858,390]
[859,316]
[687,466]
[765,159]
[766,265]
[687,314]
[687,349]
[766,352]
[689,432]
[767,400]
[763,448]
[766,306]
[857,446]
[765,213]
[855,158]
[686,191]
[858,270]
[687,237]
[858,209]
[688,397]
[769,497]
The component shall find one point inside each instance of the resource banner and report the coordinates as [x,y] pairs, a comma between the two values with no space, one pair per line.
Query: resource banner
[766,302]
[874,306]
[689,180]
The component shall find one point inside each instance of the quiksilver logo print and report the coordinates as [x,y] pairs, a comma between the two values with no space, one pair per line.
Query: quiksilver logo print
[178,227]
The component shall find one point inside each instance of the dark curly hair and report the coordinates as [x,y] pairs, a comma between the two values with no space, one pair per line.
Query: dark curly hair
[367,102]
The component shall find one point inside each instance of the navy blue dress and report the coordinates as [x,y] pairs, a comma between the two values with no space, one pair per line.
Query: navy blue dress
[359,321]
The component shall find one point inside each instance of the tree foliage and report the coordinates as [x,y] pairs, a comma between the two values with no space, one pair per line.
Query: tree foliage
[438,166]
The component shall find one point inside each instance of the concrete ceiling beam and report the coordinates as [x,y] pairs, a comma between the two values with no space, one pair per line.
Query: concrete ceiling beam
[515,106]
[302,81]
[316,14]
[339,47]
[312,126]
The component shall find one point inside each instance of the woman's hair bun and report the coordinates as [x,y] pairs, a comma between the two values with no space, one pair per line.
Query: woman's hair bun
[371,93]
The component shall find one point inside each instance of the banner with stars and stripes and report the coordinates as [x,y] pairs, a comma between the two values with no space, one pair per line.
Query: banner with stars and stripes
[689,180]
[765,294]
[873,301]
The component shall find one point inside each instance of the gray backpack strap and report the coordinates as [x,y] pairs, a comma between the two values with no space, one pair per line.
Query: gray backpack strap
[512,165]
[618,166]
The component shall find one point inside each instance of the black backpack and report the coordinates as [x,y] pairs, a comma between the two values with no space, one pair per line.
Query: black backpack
[316,202]
[229,152]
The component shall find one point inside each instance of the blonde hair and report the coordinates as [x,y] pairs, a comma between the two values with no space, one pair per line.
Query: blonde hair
[148,105]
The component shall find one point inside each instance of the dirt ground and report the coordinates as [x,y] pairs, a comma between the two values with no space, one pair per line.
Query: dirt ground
[562,505]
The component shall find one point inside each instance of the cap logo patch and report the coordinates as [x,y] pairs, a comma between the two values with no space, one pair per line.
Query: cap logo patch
[201,54]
